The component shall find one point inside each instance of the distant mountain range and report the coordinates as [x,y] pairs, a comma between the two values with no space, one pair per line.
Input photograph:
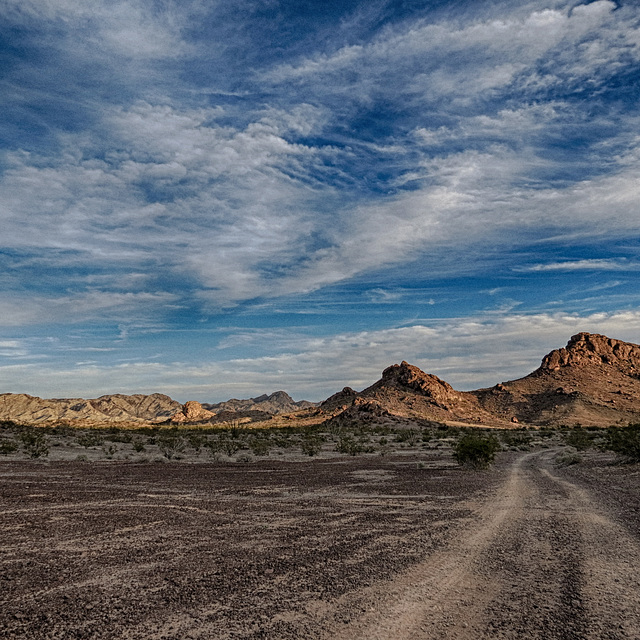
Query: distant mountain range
[594,380]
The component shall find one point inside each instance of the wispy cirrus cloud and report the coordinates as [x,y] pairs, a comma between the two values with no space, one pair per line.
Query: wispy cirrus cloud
[186,162]
[606,264]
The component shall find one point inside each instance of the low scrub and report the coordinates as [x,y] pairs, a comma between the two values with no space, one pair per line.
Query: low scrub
[579,439]
[34,443]
[624,441]
[476,451]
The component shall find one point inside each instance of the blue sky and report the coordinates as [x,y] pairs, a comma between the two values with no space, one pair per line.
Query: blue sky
[219,199]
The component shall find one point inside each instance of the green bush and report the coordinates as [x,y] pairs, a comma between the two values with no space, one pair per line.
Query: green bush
[476,451]
[624,441]
[567,459]
[311,444]
[259,446]
[89,439]
[138,445]
[579,439]
[34,443]
[230,447]
[347,444]
[410,436]
[516,439]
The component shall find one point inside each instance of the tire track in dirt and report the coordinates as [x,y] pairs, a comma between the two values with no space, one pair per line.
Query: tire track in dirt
[611,588]
[427,600]
[538,560]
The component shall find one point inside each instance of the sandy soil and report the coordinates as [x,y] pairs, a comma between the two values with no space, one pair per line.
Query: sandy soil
[364,547]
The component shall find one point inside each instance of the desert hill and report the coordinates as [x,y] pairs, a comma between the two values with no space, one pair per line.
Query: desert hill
[594,380]
[141,408]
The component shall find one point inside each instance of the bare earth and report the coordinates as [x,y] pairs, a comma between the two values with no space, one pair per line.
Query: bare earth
[344,548]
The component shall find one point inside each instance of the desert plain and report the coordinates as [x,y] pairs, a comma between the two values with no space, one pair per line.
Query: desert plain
[102,541]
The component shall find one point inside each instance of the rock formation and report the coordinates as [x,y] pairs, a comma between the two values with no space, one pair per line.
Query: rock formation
[190,413]
[594,380]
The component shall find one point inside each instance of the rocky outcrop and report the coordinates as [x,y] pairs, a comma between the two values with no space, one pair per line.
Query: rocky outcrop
[594,380]
[411,378]
[339,401]
[405,391]
[592,349]
[191,412]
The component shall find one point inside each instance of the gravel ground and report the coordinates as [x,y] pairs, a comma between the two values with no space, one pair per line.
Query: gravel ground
[369,547]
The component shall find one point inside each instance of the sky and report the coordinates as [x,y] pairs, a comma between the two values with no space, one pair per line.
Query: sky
[215,199]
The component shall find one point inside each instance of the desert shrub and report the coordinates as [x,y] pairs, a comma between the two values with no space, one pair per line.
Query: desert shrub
[568,458]
[7,447]
[311,444]
[8,424]
[89,439]
[284,440]
[34,443]
[579,439]
[214,446]
[476,451]
[349,445]
[410,436]
[138,445]
[229,446]
[516,439]
[624,441]
[171,443]
[259,446]
[109,449]
[118,435]
[196,441]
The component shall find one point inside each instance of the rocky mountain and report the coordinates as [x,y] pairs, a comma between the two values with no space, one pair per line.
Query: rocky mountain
[141,409]
[276,403]
[594,380]
[405,391]
[137,408]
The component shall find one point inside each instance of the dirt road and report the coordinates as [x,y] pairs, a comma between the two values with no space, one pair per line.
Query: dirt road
[365,547]
[540,560]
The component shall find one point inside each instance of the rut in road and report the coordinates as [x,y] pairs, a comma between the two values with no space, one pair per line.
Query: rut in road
[540,559]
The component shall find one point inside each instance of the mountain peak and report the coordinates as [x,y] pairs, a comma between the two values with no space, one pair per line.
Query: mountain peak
[411,377]
[585,349]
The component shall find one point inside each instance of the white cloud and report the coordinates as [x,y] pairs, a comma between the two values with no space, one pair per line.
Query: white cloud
[605,264]
[462,61]
[12,349]
[129,28]
[21,310]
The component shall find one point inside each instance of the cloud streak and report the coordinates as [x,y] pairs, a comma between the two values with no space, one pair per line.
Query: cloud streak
[158,166]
